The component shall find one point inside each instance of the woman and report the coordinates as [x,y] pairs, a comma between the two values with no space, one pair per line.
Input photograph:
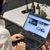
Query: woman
[6,39]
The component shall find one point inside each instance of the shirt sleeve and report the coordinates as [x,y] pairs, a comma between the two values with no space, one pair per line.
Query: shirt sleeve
[5,41]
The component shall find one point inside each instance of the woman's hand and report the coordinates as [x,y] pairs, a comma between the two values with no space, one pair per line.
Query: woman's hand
[43,48]
[17,37]
[20,46]
[46,46]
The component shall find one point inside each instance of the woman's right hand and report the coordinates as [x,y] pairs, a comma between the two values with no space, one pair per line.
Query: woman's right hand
[20,46]
[17,37]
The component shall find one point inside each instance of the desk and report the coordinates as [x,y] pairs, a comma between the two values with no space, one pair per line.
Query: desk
[18,18]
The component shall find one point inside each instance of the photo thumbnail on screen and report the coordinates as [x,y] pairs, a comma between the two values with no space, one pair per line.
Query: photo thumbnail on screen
[33,21]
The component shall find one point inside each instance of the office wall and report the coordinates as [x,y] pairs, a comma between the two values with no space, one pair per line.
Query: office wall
[17,3]
[43,1]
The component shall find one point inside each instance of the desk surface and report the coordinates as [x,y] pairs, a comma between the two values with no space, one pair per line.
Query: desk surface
[18,18]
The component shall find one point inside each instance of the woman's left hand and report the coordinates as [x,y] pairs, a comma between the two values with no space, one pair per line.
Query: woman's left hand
[17,37]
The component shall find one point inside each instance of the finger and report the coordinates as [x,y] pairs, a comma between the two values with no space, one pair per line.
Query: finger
[18,44]
[16,39]
[43,47]
[20,35]
[22,43]
[48,47]
[15,46]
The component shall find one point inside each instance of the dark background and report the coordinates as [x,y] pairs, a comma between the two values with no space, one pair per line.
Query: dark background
[17,3]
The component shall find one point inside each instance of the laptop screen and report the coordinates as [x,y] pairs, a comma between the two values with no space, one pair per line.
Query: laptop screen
[37,25]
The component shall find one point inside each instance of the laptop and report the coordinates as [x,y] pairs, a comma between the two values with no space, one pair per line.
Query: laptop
[35,30]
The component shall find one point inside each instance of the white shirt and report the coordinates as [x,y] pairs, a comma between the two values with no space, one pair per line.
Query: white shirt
[5,41]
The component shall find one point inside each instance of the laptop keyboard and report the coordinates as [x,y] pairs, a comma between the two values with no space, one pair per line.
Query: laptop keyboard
[31,43]
[29,40]
[33,36]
